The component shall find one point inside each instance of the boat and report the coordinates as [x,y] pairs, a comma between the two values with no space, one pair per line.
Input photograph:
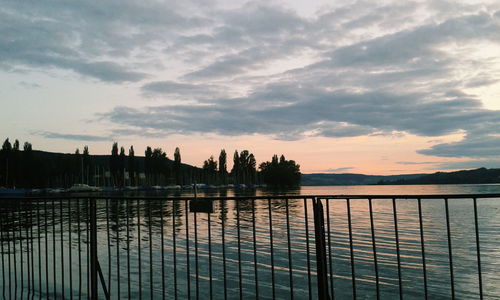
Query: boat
[80,187]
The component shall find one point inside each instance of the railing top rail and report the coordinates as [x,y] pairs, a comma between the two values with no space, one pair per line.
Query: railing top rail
[185,198]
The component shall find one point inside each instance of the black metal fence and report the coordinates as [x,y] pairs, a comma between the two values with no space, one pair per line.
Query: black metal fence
[241,247]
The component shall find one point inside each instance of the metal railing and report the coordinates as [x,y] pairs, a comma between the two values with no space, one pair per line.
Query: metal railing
[242,247]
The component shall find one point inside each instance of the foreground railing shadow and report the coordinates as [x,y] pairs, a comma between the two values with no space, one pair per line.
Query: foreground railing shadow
[315,247]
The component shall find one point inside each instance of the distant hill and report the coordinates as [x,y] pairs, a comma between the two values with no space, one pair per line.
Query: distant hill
[481,175]
[352,179]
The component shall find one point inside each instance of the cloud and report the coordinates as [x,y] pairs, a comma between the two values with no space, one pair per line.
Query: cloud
[301,112]
[91,38]
[338,170]
[73,137]
[471,146]
[410,163]
[469,164]
[189,90]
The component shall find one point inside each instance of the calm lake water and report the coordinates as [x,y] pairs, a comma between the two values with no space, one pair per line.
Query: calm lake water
[41,238]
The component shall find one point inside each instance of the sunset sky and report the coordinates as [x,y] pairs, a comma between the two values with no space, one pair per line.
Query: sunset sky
[375,87]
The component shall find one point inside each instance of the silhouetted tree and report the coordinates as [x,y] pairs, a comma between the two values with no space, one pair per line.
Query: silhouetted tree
[177,165]
[131,166]
[148,154]
[121,166]
[114,163]
[283,173]
[235,171]
[210,170]
[223,166]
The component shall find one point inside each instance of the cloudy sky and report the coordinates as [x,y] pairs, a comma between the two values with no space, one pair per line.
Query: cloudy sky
[379,87]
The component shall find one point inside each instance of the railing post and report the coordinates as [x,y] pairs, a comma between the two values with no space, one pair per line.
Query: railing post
[319,230]
[93,249]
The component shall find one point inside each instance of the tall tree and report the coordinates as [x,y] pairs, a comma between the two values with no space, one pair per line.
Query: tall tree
[113,163]
[223,166]
[210,170]
[235,171]
[131,166]
[177,166]
[148,155]
[86,164]
[121,166]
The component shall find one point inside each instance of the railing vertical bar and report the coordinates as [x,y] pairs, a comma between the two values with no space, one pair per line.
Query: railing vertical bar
[450,252]
[162,251]
[129,287]
[306,219]
[139,263]
[3,253]
[209,224]
[289,243]
[61,216]
[39,248]
[54,247]
[87,238]
[70,232]
[223,237]
[422,244]
[256,271]
[20,227]
[240,281]
[9,259]
[93,249]
[108,238]
[118,288]
[174,248]
[478,250]
[330,260]
[45,213]
[351,249]
[150,238]
[398,255]
[319,235]
[32,254]
[79,231]
[271,246]
[188,271]
[196,255]
[374,247]
[14,249]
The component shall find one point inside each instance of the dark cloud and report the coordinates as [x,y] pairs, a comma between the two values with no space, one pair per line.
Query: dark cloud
[469,164]
[91,38]
[171,88]
[298,112]
[338,170]
[477,146]
[411,163]
[73,137]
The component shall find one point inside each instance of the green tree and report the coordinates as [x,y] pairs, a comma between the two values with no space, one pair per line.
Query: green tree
[121,166]
[210,170]
[177,166]
[114,163]
[282,173]
[131,166]
[235,171]
[223,166]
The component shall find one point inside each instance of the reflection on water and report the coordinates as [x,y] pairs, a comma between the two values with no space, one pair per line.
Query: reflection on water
[45,242]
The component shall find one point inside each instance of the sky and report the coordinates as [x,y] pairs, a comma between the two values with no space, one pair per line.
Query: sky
[374,87]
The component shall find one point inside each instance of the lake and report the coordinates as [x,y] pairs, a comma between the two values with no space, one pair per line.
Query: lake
[139,261]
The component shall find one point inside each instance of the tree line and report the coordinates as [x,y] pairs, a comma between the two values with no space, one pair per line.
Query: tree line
[28,168]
